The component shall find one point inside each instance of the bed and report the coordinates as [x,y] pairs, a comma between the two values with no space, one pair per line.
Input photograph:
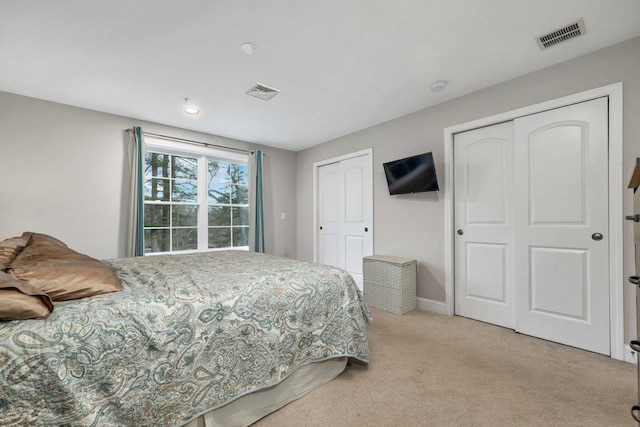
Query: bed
[216,338]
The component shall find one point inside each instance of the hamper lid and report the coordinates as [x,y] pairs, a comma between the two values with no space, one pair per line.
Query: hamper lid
[390,259]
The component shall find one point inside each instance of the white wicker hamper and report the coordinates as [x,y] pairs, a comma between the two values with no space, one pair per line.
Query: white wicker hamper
[390,283]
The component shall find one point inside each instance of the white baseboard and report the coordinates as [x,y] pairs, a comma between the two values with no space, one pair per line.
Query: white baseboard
[630,355]
[431,305]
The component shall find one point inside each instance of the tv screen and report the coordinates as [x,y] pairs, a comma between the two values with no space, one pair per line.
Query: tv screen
[413,174]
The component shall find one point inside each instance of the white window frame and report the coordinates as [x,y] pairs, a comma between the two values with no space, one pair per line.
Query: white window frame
[202,154]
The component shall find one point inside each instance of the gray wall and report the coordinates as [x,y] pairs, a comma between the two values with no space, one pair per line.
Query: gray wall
[412,225]
[64,169]
[65,173]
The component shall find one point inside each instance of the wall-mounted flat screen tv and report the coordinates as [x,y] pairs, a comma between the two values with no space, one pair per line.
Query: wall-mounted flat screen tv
[413,174]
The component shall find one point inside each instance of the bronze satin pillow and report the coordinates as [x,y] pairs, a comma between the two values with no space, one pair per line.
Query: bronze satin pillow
[62,273]
[19,301]
[10,248]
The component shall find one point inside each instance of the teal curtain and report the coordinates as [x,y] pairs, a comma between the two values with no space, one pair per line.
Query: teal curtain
[136,193]
[256,203]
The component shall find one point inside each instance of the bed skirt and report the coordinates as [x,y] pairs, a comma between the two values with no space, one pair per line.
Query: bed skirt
[248,409]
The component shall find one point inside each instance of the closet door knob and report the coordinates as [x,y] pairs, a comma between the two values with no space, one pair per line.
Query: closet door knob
[596,236]
[460,232]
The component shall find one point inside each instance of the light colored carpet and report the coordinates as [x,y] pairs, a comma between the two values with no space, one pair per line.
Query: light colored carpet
[433,370]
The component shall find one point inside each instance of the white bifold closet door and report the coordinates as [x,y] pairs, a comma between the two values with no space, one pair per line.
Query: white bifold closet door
[532,207]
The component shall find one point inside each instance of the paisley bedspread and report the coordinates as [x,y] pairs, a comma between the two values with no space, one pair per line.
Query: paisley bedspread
[186,335]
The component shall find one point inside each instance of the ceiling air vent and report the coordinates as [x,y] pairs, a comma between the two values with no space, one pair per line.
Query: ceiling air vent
[263,91]
[560,35]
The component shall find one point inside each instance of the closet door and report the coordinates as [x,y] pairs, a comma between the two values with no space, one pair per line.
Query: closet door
[561,225]
[531,215]
[345,205]
[484,224]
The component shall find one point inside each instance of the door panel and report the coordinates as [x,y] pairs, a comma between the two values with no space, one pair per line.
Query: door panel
[353,189]
[558,283]
[483,214]
[330,237]
[557,156]
[329,248]
[485,179]
[486,267]
[355,252]
[329,193]
[562,273]
[358,216]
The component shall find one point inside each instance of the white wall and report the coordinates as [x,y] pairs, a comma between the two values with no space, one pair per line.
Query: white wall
[65,173]
[412,225]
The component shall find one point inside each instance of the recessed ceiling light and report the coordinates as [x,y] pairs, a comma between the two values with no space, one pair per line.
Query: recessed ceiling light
[190,109]
[249,48]
[438,86]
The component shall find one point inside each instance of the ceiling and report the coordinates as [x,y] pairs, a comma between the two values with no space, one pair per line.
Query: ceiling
[342,65]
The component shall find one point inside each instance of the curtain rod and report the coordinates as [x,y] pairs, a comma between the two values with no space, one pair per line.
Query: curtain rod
[190,141]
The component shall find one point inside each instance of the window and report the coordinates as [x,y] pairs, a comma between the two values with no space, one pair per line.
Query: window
[228,204]
[195,199]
